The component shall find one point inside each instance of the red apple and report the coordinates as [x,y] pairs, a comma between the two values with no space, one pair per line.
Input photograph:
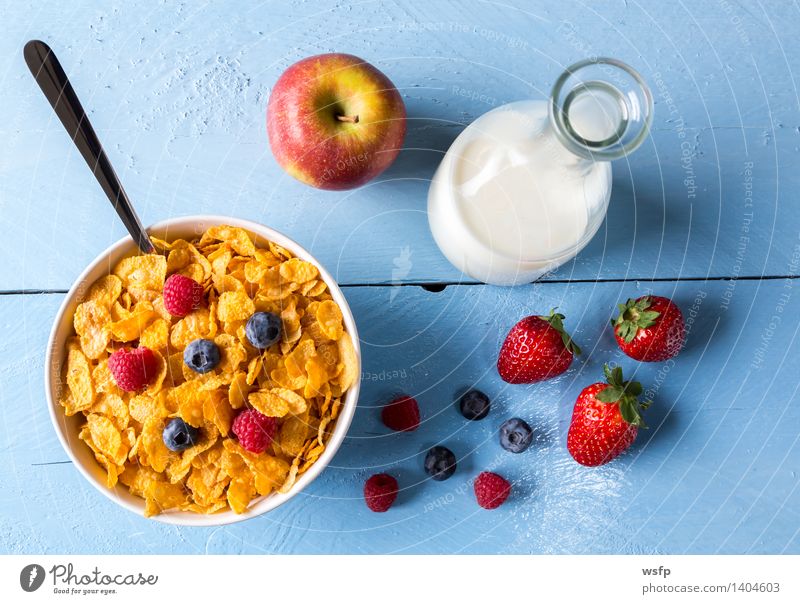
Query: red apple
[335,121]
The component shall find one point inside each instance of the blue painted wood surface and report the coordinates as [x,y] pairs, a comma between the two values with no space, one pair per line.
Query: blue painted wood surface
[177,92]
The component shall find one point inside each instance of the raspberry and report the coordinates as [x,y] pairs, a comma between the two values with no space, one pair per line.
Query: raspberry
[254,430]
[181,295]
[380,491]
[401,414]
[133,369]
[491,490]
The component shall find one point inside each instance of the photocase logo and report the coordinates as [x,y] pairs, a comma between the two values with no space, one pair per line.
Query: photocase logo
[69,580]
[31,577]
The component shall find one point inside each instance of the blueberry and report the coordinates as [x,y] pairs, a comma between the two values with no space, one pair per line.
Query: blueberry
[178,435]
[201,356]
[474,405]
[440,463]
[515,435]
[263,329]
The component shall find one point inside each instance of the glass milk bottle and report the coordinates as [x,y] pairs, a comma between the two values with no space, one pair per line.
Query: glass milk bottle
[526,186]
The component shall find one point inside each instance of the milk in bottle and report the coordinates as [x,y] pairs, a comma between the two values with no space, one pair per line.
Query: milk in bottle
[525,186]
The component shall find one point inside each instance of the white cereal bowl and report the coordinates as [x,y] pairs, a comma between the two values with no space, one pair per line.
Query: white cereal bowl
[68,428]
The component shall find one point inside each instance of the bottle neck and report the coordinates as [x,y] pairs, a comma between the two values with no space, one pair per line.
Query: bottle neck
[591,120]
[553,145]
[600,109]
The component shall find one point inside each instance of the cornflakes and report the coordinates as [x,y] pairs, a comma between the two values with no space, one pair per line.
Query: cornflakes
[299,380]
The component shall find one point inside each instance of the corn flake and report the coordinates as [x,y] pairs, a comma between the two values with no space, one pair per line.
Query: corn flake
[143,272]
[79,381]
[234,306]
[91,322]
[268,403]
[156,335]
[105,291]
[329,317]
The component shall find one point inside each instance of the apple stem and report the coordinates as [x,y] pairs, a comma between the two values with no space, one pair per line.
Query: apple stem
[352,119]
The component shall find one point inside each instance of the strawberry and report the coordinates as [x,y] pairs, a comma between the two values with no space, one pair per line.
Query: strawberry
[605,420]
[536,349]
[649,328]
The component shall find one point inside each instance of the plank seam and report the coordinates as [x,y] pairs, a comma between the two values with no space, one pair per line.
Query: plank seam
[443,284]
[52,463]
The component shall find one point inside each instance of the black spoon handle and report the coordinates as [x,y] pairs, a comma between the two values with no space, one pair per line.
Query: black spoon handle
[56,87]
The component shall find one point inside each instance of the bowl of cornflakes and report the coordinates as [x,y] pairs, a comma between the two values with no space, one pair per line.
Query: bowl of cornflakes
[196,418]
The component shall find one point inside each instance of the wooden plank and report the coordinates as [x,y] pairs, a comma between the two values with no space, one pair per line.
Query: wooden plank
[179,97]
[716,472]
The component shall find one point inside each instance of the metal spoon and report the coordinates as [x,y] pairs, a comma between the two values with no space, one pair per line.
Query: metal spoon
[56,87]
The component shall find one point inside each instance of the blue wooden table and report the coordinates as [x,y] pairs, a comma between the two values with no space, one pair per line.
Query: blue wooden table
[705,212]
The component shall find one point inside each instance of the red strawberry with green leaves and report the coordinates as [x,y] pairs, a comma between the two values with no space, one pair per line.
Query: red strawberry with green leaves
[605,420]
[649,328]
[536,349]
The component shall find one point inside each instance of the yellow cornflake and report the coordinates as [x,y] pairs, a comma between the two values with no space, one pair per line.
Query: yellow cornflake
[268,403]
[238,390]
[144,272]
[91,322]
[297,404]
[114,408]
[234,306]
[218,411]
[156,335]
[102,379]
[293,434]
[143,407]
[196,324]
[79,381]
[329,318]
[297,359]
[158,456]
[298,271]
[240,240]
[132,326]
[105,291]
[348,362]
[106,437]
